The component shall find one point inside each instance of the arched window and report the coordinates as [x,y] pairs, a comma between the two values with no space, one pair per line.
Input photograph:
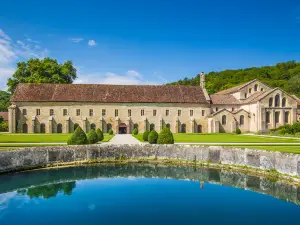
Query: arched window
[255,87]
[93,126]
[183,128]
[75,126]
[277,101]
[223,120]
[168,125]
[59,128]
[199,128]
[152,126]
[25,128]
[270,102]
[250,90]
[42,128]
[242,118]
[135,126]
[267,117]
[108,127]
[283,103]
[245,95]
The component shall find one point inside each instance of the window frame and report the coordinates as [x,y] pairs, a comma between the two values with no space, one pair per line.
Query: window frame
[78,112]
[38,112]
[51,112]
[91,112]
[65,112]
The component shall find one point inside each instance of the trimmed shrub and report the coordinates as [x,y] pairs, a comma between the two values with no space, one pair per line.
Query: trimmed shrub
[165,136]
[297,134]
[288,128]
[296,127]
[78,137]
[283,131]
[92,137]
[145,135]
[238,131]
[135,131]
[100,134]
[110,132]
[152,137]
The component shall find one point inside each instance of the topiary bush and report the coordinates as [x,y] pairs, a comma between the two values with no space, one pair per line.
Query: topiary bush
[100,134]
[110,132]
[288,129]
[238,131]
[78,137]
[296,127]
[135,131]
[283,131]
[165,136]
[92,137]
[145,135]
[152,137]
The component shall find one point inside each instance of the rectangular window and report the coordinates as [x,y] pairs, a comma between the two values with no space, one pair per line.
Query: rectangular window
[77,112]
[65,112]
[179,112]
[277,114]
[167,112]
[286,117]
[191,112]
[103,112]
[51,112]
[129,112]
[116,112]
[267,117]
[217,109]
[91,112]
[142,112]
[203,112]
[38,112]
[24,111]
[154,112]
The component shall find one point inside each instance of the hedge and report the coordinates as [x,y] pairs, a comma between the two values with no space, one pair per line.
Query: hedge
[78,137]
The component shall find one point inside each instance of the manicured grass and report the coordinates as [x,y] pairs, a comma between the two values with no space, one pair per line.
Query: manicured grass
[224,138]
[39,138]
[279,148]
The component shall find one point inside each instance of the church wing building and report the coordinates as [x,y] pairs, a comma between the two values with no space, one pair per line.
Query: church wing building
[60,108]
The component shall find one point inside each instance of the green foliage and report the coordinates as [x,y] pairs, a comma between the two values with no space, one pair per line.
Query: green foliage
[238,131]
[110,132]
[4,101]
[296,127]
[4,126]
[78,137]
[287,127]
[145,135]
[152,137]
[45,70]
[297,134]
[283,131]
[100,134]
[165,136]
[135,131]
[284,75]
[92,137]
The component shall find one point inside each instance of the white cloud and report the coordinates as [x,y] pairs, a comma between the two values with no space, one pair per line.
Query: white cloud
[4,35]
[92,43]
[76,40]
[131,77]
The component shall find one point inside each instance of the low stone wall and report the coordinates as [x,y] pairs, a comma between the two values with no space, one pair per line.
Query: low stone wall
[285,163]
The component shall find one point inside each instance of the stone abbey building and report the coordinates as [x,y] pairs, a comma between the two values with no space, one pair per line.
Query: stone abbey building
[60,108]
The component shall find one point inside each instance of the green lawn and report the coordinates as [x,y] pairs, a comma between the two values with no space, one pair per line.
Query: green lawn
[39,138]
[219,138]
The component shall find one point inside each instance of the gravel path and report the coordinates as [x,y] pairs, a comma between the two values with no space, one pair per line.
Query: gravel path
[123,139]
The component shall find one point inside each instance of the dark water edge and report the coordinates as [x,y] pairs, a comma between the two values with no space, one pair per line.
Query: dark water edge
[49,182]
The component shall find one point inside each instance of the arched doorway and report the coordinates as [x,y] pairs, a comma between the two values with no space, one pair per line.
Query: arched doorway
[122,128]
[168,125]
[59,128]
[199,128]
[152,126]
[93,126]
[75,126]
[183,128]
[25,128]
[108,127]
[42,128]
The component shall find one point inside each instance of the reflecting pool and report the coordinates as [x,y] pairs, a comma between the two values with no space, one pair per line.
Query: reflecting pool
[145,194]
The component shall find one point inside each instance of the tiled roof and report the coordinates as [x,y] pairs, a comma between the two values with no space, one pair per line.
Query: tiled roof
[234,89]
[108,93]
[223,99]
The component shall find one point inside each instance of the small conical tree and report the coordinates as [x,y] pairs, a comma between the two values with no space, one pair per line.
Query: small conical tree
[145,135]
[78,137]
[135,131]
[100,134]
[152,137]
[165,136]
[92,137]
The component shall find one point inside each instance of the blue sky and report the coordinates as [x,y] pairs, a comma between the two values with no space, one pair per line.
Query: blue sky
[149,42]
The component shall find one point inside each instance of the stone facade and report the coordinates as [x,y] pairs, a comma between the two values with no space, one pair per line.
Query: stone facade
[251,107]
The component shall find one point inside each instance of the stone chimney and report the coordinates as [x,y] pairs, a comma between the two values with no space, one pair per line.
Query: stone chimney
[202,80]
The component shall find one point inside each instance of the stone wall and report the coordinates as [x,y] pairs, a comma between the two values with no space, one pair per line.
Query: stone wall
[40,156]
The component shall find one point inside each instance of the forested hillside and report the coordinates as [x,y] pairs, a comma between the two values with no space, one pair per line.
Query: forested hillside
[4,101]
[285,75]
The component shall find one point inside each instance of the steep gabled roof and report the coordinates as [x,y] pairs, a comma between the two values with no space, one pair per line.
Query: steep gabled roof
[235,89]
[218,99]
[108,93]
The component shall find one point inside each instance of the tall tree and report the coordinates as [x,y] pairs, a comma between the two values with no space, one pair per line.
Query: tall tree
[42,71]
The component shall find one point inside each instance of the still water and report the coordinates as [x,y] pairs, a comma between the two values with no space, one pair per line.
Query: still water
[144,194]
